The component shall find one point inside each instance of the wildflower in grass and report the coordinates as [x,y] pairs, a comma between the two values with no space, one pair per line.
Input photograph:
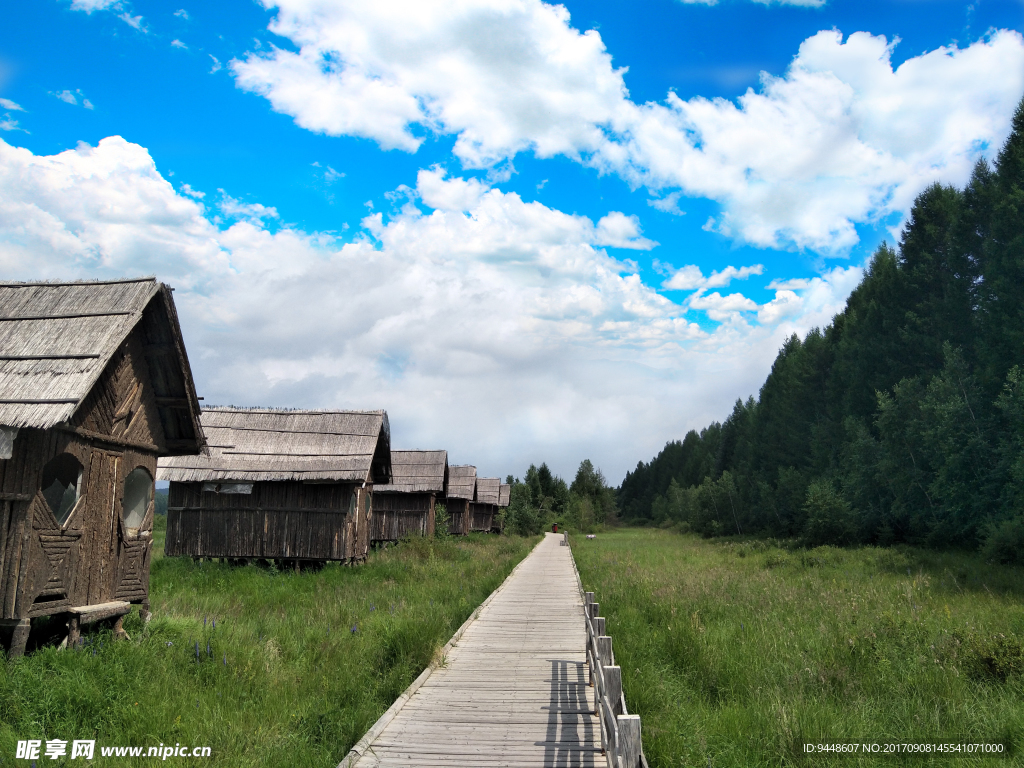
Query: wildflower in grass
[214,623]
[197,650]
[208,652]
[204,622]
[169,643]
[354,628]
[225,663]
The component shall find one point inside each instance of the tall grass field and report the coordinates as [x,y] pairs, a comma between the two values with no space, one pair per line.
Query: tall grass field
[738,653]
[266,668]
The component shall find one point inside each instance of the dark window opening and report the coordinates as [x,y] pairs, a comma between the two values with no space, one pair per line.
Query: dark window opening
[138,493]
[62,483]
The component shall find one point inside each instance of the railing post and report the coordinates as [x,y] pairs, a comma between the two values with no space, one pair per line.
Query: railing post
[588,598]
[599,626]
[594,610]
[629,740]
[604,650]
[613,687]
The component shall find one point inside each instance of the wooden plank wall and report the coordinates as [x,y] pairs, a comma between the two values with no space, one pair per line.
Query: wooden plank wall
[458,517]
[481,516]
[278,520]
[401,514]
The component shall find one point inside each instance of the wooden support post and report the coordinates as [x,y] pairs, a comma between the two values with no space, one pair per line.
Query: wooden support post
[19,638]
[599,626]
[629,740]
[119,633]
[144,613]
[594,610]
[74,632]
[613,688]
[604,650]
[588,598]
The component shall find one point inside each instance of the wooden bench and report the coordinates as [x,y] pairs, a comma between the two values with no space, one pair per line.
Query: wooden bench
[87,614]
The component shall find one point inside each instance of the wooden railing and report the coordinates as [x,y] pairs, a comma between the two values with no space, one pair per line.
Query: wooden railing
[620,731]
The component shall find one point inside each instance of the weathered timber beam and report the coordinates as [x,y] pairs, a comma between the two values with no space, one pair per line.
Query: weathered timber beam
[110,439]
[53,356]
[69,316]
[172,402]
[38,401]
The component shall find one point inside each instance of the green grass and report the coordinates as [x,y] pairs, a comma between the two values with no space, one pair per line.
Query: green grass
[736,653]
[299,686]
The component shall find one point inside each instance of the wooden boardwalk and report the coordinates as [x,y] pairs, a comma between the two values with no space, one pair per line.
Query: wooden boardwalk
[514,690]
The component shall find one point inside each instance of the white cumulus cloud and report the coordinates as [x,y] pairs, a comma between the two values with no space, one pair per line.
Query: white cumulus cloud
[94,5]
[691,278]
[504,76]
[497,328]
[840,138]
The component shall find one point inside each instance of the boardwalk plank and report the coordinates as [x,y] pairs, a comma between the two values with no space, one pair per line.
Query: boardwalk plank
[513,692]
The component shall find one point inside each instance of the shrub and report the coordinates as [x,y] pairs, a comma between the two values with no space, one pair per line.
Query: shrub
[830,519]
[1004,542]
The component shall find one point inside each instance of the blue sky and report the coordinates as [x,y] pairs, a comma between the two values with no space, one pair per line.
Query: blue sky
[530,232]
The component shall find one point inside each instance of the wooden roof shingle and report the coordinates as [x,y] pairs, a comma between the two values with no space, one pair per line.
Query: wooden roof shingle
[417,472]
[504,493]
[462,482]
[267,444]
[56,339]
[487,490]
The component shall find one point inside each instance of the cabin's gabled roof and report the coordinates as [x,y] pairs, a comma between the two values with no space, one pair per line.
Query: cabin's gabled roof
[504,492]
[462,482]
[417,472]
[266,444]
[487,490]
[56,339]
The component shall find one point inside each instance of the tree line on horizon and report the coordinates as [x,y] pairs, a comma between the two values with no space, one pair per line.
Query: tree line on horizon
[902,420]
[542,497]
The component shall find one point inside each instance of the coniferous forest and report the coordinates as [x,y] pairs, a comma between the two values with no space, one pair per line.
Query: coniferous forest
[901,421]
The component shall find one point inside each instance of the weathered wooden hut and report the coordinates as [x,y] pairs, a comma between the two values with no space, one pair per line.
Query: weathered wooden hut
[405,506]
[94,386]
[483,509]
[504,497]
[286,485]
[461,492]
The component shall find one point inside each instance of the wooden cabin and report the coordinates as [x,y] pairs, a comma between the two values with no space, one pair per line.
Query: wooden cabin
[461,492]
[485,507]
[94,386]
[504,497]
[405,506]
[291,486]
